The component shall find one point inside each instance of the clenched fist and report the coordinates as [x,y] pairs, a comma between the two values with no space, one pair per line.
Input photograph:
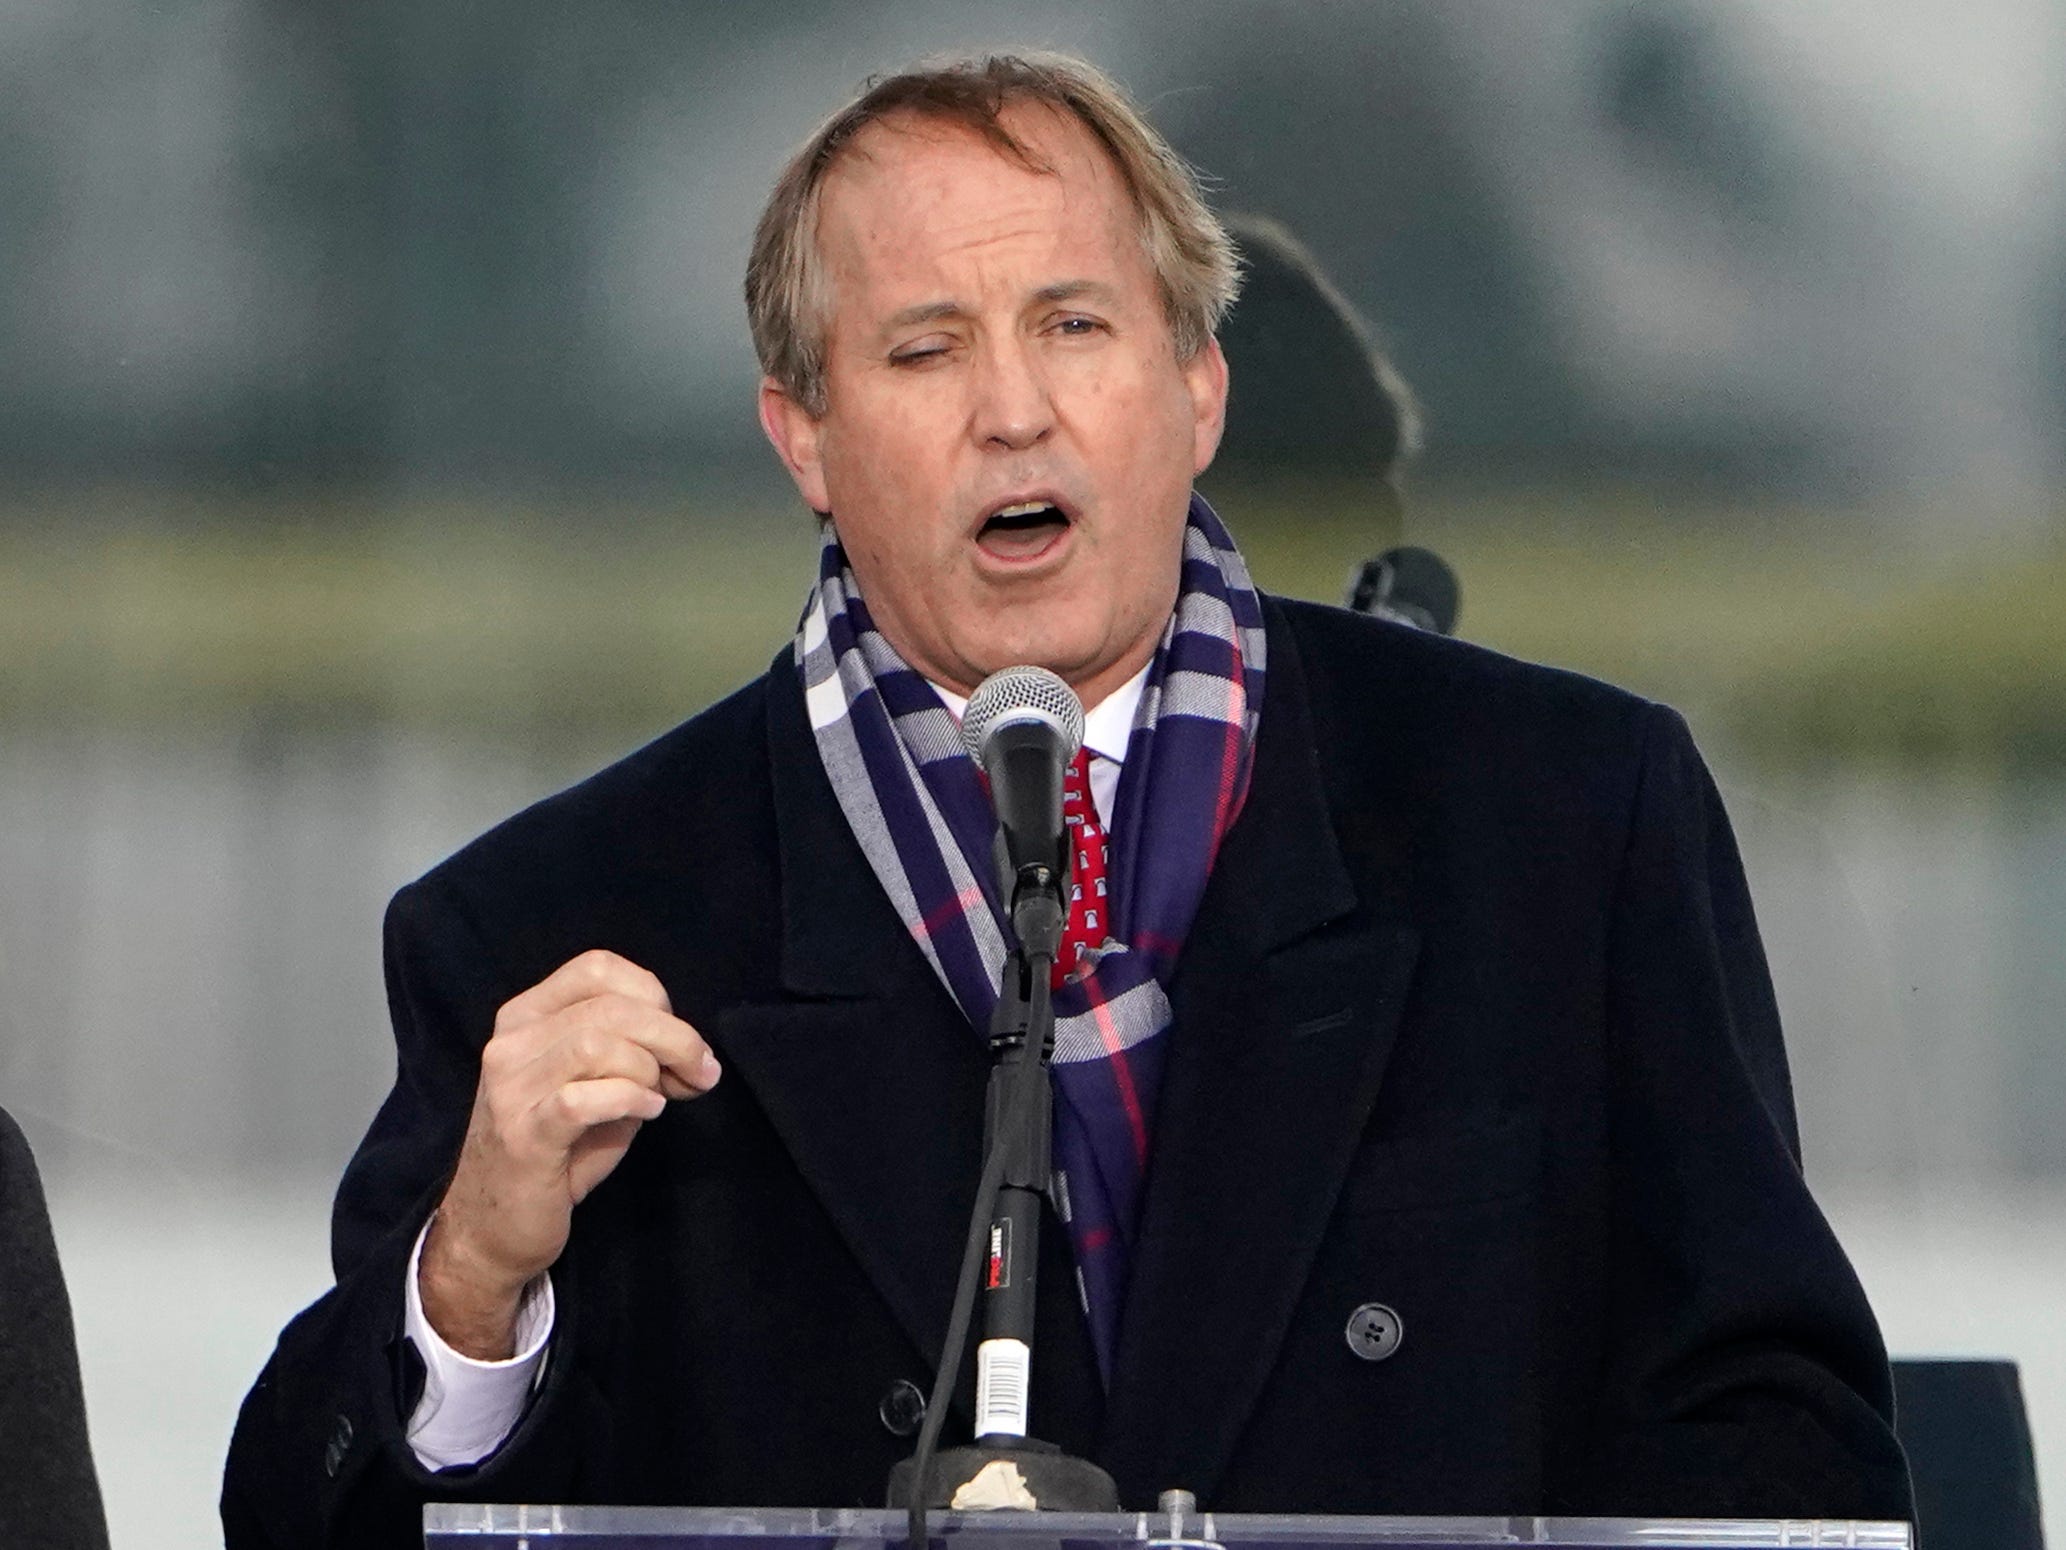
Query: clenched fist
[576,1064]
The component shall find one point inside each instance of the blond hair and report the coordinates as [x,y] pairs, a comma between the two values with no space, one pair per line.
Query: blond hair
[1195,264]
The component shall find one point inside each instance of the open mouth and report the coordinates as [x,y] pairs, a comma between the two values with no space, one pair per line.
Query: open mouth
[1022,530]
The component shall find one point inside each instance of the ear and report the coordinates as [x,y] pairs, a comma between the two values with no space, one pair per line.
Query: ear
[797,437]
[1205,374]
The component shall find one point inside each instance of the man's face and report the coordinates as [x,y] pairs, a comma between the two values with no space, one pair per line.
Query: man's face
[1009,439]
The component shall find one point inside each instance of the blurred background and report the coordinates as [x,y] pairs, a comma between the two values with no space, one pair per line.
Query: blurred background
[377,455]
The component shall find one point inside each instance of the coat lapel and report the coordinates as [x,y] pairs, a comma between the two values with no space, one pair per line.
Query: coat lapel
[1287,1001]
[864,1065]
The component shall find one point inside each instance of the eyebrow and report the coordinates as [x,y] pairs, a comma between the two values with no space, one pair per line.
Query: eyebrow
[1061,290]
[924,312]
[1075,290]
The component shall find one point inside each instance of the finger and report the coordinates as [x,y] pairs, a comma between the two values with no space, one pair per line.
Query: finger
[594,973]
[597,1153]
[520,1065]
[686,1064]
[588,1044]
[573,1109]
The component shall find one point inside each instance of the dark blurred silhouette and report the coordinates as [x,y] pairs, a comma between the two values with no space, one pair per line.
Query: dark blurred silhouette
[1963,1426]
[1313,402]
[1316,411]
[49,1495]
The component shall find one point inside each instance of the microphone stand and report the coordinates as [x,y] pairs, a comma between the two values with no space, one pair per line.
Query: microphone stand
[1003,1252]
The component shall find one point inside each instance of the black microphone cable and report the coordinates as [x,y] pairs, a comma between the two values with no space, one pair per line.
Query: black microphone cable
[1019,721]
[973,1254]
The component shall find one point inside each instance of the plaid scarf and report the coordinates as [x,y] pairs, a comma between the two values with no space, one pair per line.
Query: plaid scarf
[915,801]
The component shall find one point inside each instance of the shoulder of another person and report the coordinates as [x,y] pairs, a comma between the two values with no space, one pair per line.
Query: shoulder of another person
[29,1274]
[13,1144]
[21,1187]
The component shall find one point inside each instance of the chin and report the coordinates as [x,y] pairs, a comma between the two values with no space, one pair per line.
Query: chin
[1067,659]
[1040,645]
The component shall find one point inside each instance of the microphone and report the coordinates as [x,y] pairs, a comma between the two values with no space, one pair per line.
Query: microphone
[1023,726]
[1408,586]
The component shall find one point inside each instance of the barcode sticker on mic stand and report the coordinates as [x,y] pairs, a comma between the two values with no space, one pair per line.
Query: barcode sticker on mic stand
[1003,1368]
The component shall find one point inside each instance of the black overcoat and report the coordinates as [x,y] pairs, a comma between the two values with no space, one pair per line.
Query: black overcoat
[1473,1024]
[49,1493]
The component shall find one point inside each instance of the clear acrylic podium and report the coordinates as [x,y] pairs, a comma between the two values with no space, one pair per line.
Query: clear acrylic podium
[512,1527]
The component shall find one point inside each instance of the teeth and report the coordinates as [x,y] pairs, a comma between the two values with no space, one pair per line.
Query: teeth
[1022,509]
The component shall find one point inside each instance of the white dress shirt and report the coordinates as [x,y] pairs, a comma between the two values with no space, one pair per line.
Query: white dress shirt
[469,1407]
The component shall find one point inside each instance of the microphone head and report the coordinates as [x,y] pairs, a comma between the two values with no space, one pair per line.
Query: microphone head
[1013,696]
[1408,586]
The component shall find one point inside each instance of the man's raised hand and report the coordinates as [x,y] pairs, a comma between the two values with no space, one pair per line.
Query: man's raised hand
[575,1065]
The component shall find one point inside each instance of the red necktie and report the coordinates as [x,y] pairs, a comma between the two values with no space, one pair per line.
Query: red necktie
[1088,924]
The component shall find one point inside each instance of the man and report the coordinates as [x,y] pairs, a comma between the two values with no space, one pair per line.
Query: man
[1426,1133]
[1315,404]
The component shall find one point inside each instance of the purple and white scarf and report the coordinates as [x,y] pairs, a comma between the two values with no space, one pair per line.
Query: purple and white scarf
[915,801]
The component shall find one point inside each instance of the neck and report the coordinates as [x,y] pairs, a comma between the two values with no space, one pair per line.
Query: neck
[1098,687]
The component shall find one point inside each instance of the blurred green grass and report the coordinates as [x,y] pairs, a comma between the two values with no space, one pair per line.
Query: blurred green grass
[1796,636]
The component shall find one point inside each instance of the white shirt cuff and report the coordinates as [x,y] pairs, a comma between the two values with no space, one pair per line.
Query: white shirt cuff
[470,1407]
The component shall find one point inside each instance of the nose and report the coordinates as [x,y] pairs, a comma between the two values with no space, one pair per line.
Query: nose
[1013,409]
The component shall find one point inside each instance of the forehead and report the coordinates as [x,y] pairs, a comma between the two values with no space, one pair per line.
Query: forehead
[914,202]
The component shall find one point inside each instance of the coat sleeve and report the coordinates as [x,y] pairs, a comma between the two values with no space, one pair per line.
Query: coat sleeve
[1745,1372]
[318,1456]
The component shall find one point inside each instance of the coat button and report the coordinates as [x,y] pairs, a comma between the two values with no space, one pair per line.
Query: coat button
[1375,1331]
[902,1408]
[339,1445]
